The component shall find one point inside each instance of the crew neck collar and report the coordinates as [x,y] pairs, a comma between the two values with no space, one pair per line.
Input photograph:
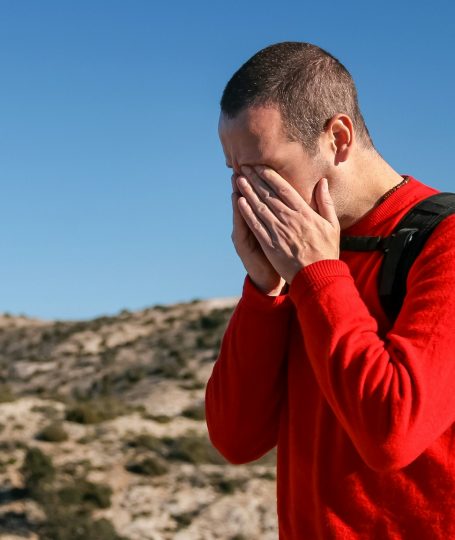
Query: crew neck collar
[387,207]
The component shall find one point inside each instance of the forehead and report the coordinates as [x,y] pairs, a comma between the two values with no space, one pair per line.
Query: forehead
[259,123]
[254,133]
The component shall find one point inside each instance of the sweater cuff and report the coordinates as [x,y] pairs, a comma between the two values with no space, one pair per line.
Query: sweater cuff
[313,277]
[253,297]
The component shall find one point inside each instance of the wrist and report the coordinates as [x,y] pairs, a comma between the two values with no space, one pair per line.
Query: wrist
[277,291]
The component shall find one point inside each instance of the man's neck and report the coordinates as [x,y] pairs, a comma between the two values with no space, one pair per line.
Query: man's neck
[372,177]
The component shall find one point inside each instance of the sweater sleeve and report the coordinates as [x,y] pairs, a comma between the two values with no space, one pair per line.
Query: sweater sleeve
[393,397]
[248,379]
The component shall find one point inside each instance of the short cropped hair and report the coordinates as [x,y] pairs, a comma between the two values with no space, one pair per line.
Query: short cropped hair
[307,84]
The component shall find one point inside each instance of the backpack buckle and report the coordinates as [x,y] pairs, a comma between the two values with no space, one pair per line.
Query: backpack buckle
[399,239]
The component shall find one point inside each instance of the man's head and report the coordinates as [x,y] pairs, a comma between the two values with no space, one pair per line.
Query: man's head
[292,106]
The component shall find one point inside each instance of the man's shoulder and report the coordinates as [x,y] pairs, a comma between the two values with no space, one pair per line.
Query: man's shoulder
[438,253]
[417,197]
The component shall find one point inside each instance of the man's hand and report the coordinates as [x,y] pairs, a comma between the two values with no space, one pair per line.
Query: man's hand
[261,272]
[291,234]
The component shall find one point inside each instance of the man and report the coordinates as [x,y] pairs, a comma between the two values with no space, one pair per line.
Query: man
[361,408]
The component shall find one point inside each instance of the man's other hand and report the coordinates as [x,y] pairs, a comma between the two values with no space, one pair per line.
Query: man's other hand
[259,268]
[291,234]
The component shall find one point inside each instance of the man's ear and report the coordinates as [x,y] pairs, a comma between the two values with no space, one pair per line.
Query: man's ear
[340,133]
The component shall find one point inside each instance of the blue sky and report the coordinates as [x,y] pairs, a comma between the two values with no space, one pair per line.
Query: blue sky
[114,190]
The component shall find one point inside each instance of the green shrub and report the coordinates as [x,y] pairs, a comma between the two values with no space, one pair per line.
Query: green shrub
[149,466]
[146,441]
[10,445]
[67,509]
[37,470]
[75,468]
[227,485]
[135,373]
[203,342]
[185,518]
[65,524]
[86,439]
[196,412]
[84,413]
[209,322]
[96,410]
[161,418]
[108,356]
[161,307]
[168,370]
[53,432]
[82,492]
[215,320]
[6,394]
[193,448]
[46,410]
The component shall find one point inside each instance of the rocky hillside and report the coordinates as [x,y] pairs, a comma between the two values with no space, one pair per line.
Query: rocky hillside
[103,435]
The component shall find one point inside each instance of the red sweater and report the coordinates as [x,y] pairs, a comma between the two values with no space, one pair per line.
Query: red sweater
[361,412]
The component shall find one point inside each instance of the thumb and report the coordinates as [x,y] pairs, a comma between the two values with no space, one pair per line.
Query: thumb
[326,205]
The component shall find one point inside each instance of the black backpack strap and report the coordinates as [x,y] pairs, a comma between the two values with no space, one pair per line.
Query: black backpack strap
[411,233]
[403,246]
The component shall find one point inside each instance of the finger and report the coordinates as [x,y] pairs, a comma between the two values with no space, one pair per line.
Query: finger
[326,206]
[266,194]
[282,188]
[239,225]
[235,188]
[257,227]
[260,209]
